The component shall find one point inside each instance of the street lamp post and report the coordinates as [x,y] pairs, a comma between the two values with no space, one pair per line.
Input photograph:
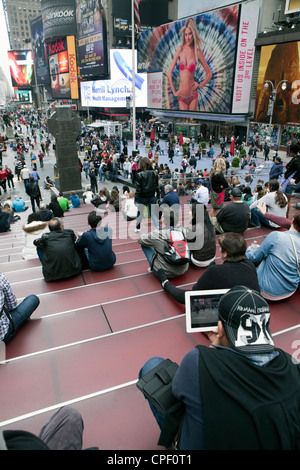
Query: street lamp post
[272,97]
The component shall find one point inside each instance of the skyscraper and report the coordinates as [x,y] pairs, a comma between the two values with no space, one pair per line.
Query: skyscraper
[18,15]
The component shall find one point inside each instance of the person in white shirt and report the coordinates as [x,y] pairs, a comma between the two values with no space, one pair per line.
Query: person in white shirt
[25,174]
[130,210]
[202,194]
[87,196]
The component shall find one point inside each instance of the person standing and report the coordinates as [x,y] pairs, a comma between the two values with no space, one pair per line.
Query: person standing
[3,177]
[25,174]
[147,191]
[10,177]
[93,179]
[33,191]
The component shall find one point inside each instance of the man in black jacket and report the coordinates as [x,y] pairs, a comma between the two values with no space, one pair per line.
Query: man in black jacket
[57,252]
[33,191]
[241,393]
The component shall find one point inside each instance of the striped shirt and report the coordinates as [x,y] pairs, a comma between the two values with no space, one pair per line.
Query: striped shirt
[7,299]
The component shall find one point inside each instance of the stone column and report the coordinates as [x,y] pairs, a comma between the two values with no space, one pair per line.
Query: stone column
[65,126]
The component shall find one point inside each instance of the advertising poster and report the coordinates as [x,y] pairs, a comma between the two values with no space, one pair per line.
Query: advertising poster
[39,50]
[91,29]
[59,18]
[113,93]
[62,66]
[21,68]
[279,62]
[155,90]
[197,59]
[23,96]
[245,57]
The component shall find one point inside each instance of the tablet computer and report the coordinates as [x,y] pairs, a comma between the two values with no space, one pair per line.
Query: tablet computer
[201,309]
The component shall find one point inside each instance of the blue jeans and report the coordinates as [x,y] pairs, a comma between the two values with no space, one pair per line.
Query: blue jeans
[258,219]
[141,203]
[149,252]
[102,175]
[149,365]
[23,311]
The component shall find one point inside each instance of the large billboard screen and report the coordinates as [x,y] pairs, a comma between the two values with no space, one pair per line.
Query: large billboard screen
[279,62]
[113,93]
[196,57]
[21,68]
[63,69]
[59,18]
[91,32]
[39,49]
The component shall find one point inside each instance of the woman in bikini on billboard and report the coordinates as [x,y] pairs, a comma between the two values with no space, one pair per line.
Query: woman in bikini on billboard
[188,54]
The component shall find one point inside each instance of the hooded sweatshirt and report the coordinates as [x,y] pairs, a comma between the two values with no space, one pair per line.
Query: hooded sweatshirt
[98,243]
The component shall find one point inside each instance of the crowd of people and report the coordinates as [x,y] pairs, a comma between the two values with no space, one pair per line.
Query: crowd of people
[242,371]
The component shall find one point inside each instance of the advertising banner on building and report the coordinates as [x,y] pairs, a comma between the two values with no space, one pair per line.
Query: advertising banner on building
[197,59]
[279,62]
[91,31]
[59,18]
[245,57]
[39,49]
[63,70]
[23,96]
[292,6]
[21,68]
[155,90]
[113,93]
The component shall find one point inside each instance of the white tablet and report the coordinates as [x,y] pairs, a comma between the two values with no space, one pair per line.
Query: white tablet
[201,309]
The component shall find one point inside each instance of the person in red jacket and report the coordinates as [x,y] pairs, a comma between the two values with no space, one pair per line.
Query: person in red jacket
[3,177]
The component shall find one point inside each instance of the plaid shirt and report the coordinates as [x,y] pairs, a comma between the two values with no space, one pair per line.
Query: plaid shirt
[8,299]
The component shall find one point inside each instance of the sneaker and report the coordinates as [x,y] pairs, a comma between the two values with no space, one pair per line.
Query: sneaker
[149,270]
[296,206]
[137,230]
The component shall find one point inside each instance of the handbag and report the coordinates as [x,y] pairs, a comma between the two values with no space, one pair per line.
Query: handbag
[156,385]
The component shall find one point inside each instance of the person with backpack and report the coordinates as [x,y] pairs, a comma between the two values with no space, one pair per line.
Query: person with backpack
[236,269]
[166,248]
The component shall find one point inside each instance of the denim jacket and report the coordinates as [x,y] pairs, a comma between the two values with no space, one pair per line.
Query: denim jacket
[277,270]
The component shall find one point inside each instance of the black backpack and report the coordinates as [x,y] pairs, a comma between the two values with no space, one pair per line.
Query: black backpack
[176,251]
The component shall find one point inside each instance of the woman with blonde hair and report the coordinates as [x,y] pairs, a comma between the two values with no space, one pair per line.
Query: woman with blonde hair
[218,184]
[188,55]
